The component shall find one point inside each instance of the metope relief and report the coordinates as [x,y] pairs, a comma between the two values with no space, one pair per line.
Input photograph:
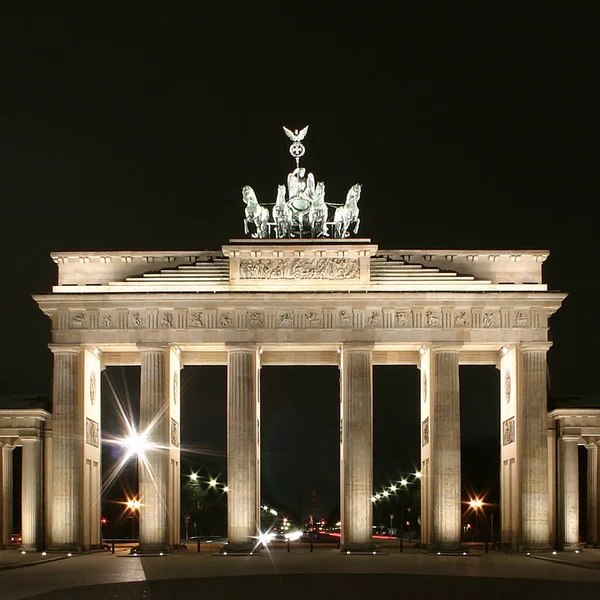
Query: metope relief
[402,318]
[79,321]
[374,318]
[106,322]
[255,319]
[313,319]
[197,319]
[136,320]
[92,433]
[300,268]
[432,319]
[285,319]
[461,319]
[167,320]
[508,431]
[425,432]
[507,386]
[490,319]
[225,319]
[521,319]
[344,318]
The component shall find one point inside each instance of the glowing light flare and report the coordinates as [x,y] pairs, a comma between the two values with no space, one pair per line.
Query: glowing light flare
[393,488]
[292,536]
[135,444]
[194,476]
[212,483]
[404,482]
[418,474]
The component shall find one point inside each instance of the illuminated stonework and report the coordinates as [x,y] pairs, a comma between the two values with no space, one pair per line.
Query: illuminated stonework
[347,303]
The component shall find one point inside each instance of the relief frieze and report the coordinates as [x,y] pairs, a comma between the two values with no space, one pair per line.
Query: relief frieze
[508,431]
[300,268]
[92,433]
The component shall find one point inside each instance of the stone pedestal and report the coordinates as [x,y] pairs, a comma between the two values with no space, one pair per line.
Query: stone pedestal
[592,495]
[6,494]
[532,438]
[356,430]
[445,450]
[67,468]
[31,493]
[153,466]
[243,450]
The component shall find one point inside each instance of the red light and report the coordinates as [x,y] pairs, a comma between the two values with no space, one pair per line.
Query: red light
[104,521]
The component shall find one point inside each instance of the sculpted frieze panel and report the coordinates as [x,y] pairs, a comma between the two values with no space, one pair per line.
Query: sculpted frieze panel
[521,318]
[462,318]
[425,432]
[374,318]
[137,319]
[255,319]
[92,433]
[344,318]
[300,268]
[508,431]
[432,318]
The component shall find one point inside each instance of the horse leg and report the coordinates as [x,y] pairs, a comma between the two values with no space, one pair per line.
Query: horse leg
[356,226]
[246,226]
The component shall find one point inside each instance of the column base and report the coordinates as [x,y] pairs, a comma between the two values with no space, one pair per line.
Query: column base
[571,547]
[534,547]
[151,549]
[352,548]
[240,548]
[448,548]
[73,548]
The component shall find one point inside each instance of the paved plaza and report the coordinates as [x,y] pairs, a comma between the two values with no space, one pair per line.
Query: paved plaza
[324,573]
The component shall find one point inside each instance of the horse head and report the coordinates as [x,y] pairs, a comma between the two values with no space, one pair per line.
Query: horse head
[353,195]
[248,195]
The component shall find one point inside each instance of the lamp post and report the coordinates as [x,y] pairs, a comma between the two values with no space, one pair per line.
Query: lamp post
[476,505]
[133,505]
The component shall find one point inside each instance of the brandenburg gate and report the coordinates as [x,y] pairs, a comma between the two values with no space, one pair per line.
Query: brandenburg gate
[300,291]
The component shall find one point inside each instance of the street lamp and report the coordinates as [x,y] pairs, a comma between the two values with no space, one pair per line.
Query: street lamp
[133,505]
[476,505]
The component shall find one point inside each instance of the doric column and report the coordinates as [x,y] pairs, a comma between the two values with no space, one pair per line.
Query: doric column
[532,438]
[592,494]
[243,448]
[444,432]
[356,447]
[67,465]
[569,492]
[6,502]
[31,493]
[153,467]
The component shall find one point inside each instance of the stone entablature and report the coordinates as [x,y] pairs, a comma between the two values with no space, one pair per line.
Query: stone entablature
[17,423]
[581,423]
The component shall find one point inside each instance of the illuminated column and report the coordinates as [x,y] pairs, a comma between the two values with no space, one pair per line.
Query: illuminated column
[444,433]
[31,492]
[67,467]
[153,465]
[569,492]
[531,432]
[592,494]
[243,448]
[6,499]
[356,447]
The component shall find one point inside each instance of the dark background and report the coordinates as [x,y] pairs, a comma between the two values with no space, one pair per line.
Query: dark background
[469,125]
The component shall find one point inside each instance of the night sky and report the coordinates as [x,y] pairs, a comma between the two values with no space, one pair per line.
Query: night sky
[469,125]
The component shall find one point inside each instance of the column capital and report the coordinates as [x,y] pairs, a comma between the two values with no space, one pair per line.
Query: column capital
[152,347]
[241,347]
[592,445]
[357,346]
[446,347]
[30,438]
[569,437]
[536,346]
[64,349]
